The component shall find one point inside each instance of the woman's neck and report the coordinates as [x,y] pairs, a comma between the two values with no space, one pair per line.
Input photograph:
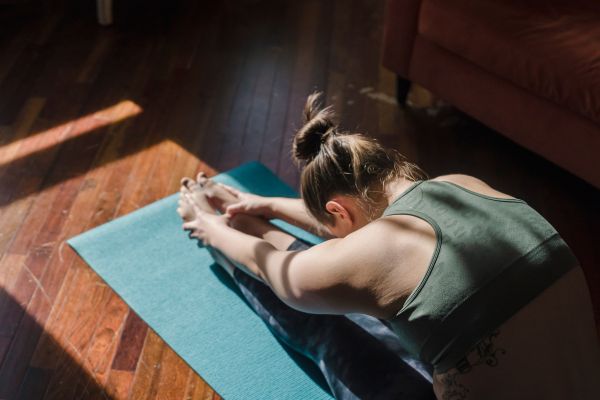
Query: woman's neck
[396,188]
[392,191]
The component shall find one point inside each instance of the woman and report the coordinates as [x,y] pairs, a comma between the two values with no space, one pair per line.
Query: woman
[471,280]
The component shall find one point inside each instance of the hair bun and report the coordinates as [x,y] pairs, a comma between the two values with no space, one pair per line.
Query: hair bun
[318,124]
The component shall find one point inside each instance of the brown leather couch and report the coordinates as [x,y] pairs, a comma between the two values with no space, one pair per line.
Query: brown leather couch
[529,69]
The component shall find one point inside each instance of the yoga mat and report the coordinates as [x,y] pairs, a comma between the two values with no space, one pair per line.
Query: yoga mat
[174,285]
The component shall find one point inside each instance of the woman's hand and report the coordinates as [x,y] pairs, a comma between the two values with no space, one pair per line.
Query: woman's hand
[204,225]
[248,203]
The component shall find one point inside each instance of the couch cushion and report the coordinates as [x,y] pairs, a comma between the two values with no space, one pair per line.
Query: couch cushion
[548,47]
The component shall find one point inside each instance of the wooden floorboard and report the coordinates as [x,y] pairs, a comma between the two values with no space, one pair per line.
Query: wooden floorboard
[97,122]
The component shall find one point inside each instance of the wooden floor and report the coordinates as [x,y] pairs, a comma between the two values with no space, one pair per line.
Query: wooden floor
[97,122]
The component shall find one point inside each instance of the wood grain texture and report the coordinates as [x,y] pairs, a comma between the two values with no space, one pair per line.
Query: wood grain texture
[215,84]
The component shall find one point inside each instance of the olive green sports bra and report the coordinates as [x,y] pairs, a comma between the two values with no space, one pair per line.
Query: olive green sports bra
[493,256]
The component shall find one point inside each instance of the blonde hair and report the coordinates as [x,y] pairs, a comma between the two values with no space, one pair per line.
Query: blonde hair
[343,163]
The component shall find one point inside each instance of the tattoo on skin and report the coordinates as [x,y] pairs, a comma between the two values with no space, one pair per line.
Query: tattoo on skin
[486,353]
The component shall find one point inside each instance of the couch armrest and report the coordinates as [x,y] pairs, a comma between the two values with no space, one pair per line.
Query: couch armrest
[400,29]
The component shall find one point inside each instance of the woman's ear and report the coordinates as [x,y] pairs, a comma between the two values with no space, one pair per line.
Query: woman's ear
[339,212]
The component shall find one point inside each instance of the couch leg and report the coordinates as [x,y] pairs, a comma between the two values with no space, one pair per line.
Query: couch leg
[104,10]
[402,89]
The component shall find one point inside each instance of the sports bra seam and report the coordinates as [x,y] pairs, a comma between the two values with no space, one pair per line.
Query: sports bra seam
[484,196]
[436,252]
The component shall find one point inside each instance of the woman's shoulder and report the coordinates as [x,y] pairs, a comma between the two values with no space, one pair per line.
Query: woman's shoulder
[473,184]
[461,179]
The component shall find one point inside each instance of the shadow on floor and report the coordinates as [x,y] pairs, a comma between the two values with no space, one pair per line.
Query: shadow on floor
[50,373]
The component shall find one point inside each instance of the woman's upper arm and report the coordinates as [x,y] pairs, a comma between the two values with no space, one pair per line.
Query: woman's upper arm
[323,279]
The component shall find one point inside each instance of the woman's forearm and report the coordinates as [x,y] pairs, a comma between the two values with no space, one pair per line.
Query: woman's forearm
[229,264]
[294,212]
[241,249]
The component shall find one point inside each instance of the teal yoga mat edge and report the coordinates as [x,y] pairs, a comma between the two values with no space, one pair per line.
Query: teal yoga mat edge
[310,369]
[229,177]
[182,356]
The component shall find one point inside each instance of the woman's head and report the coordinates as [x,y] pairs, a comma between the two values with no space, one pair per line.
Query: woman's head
[345,174]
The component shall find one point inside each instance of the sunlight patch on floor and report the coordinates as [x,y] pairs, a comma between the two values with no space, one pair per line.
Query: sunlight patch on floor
[41,141]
